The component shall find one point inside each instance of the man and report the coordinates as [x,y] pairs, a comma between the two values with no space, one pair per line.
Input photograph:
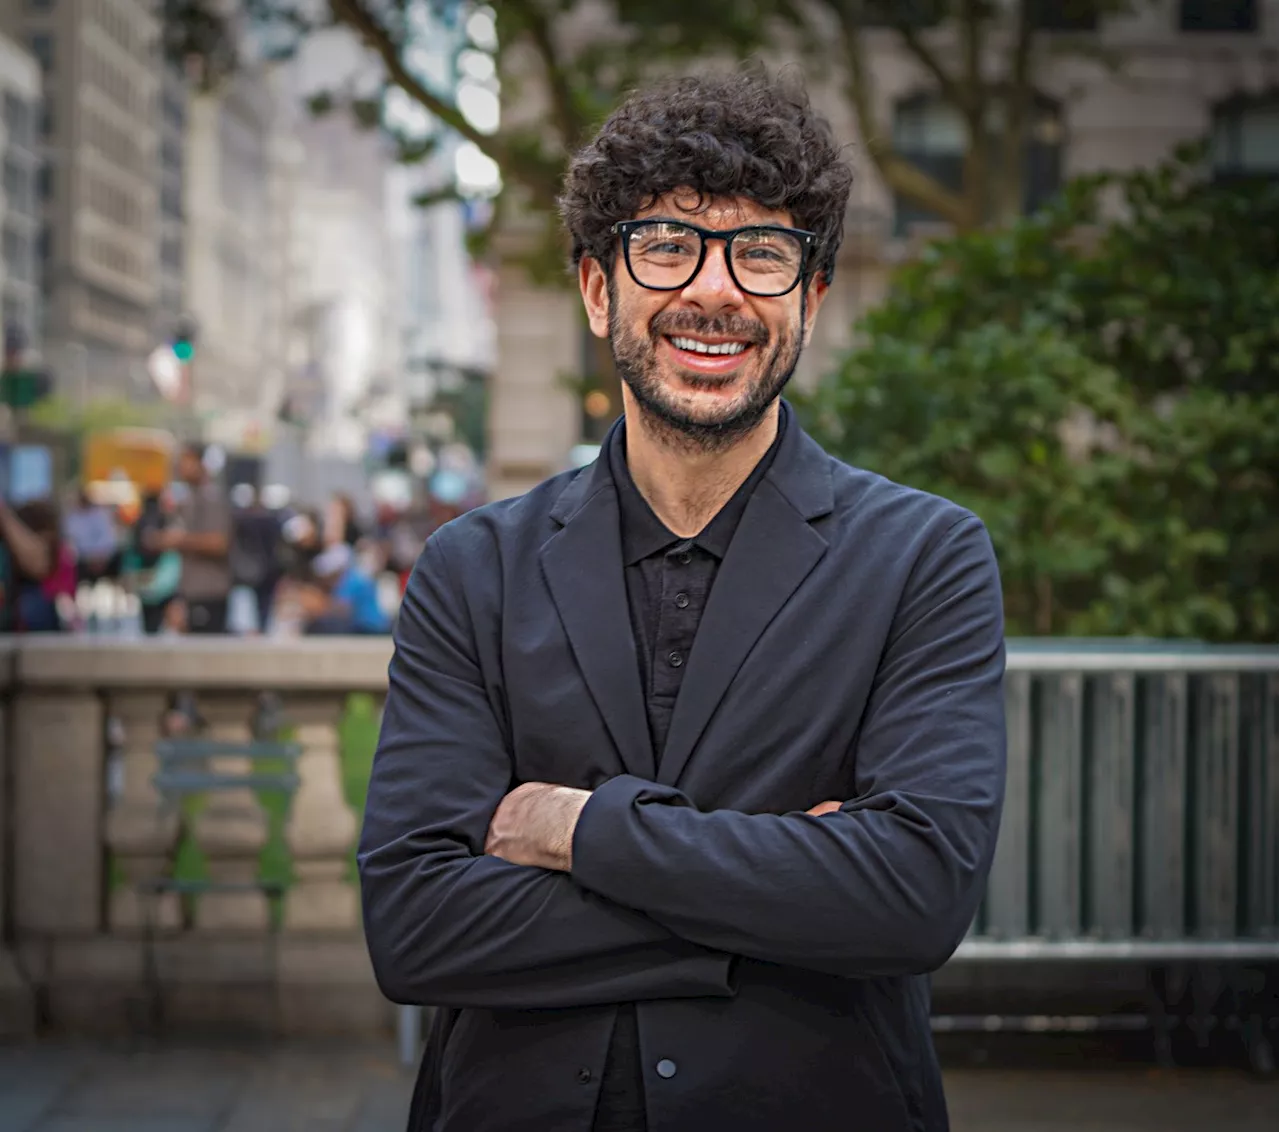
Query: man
[692,761]
[201,533]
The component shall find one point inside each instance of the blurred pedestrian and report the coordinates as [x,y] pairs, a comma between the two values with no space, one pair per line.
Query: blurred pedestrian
[36,568]
[343,598]
[154,576]
[201,533]
[90,530]
[257,560]
[340,522]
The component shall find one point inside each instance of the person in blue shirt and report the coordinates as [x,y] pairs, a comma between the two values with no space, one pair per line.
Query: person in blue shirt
[344,599]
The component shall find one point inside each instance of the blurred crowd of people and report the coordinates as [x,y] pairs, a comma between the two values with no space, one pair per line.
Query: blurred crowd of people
[197,558]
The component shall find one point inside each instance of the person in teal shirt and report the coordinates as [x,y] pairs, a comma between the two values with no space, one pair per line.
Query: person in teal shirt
[155,577]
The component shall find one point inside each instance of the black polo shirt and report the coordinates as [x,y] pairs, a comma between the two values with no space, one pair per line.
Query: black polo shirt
[668,581]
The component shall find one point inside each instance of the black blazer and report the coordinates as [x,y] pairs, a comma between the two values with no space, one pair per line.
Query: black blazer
[851,648]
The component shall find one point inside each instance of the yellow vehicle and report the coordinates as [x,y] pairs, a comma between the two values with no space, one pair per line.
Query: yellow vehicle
[119,466]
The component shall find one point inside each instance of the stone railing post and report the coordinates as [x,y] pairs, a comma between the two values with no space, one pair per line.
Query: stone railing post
[57,805]
[321,828]
[231,829]
[17,1001]
[141,832]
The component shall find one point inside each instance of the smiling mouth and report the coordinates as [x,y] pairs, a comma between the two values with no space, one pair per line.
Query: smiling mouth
[711,349]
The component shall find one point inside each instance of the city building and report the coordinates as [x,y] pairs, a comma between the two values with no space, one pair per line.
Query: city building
[345,373]
[19,201]
[100,187]
[168,315]
[237,205]
[446,314]
[1165,73]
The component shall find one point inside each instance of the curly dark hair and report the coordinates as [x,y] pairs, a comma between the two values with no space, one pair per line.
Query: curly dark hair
[743,134]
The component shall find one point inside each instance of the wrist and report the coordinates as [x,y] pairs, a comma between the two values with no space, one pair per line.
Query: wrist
[569,804]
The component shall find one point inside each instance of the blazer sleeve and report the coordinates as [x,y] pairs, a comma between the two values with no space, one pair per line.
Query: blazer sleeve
[888,884]
[447,925]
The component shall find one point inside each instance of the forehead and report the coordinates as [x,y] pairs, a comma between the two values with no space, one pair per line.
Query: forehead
[713,212]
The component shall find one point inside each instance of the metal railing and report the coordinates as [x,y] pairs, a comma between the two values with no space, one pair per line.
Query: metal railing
[1140,812]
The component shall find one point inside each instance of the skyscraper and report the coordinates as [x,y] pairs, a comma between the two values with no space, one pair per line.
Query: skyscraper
[100,186]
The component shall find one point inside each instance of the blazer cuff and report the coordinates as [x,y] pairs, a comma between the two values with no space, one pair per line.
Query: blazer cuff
[604,841]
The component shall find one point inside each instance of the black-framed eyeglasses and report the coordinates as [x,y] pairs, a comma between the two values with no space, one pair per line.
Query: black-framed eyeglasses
[765,260]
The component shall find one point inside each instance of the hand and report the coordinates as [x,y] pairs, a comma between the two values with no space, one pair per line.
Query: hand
[159,541]
[824,808]
[534,824]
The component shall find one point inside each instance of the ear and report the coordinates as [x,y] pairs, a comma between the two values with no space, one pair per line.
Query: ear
[814,296]
[594,285]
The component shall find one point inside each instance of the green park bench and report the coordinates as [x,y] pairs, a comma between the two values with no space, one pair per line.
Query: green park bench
[187,769]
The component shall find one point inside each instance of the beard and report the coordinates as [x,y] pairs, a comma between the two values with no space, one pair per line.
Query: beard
[665,417]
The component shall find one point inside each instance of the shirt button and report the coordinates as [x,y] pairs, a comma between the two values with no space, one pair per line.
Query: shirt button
[682,601]
[584,1075]
[684,558]
[675,659]
[666,1068]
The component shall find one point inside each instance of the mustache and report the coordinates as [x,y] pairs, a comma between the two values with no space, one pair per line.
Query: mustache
[666,323]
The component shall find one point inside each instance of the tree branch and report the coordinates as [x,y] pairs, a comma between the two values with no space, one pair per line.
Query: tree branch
[563,104]
[897,15]
[356,16]
[971,17]
[898,173]
[375,36]
[1018,101]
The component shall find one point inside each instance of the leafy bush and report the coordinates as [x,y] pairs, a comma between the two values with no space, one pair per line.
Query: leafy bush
[1097,382]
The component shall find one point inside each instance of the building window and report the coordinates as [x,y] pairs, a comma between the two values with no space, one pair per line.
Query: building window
[46,119]
[17,255]
[1064,15]
[42,49]
[44,180]
[17,186]
[931,134]
[1218,15]
[19,121]
[1242,139]
[39,5]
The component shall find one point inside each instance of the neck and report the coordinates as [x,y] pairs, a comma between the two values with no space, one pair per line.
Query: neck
[687,485]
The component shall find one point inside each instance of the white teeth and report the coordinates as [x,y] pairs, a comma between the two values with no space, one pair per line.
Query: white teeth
[696,347]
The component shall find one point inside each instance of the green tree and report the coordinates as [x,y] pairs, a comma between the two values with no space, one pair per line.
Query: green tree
[1099,386]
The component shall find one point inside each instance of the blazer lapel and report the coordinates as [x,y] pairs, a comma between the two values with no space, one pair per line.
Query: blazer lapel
[582,564]
[773,550]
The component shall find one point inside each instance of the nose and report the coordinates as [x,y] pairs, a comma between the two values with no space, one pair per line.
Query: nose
[713,288]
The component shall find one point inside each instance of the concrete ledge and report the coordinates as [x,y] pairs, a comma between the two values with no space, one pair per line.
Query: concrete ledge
[291,986]
[339,664]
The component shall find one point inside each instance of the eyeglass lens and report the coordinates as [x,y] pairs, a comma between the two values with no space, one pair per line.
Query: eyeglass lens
[763,261]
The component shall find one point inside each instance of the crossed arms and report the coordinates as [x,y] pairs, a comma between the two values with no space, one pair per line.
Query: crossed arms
[476,895]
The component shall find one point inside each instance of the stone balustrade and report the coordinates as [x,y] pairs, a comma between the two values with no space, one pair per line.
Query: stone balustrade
[84,834]
[1119,758]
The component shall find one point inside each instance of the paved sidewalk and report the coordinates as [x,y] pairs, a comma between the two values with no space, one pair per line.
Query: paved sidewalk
[331,1088]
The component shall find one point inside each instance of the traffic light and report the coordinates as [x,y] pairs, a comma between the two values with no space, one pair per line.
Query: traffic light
[184,340]
[22,388]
